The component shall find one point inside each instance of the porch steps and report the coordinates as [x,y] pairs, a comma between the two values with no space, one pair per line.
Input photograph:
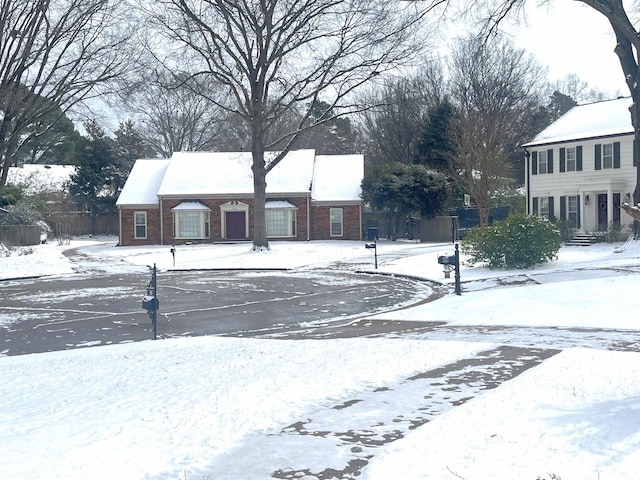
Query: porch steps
[582,240]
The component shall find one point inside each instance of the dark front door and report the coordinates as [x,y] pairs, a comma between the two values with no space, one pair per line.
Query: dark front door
[236,225]
[603,220]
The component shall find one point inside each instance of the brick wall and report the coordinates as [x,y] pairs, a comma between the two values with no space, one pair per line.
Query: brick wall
[215,221]
[128,227]
[321,224]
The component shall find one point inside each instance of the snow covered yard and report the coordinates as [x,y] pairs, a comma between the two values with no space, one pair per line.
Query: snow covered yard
[167,409]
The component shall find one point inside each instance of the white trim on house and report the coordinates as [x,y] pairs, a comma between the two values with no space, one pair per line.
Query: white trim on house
[233,206]
[212,177]
[599,187]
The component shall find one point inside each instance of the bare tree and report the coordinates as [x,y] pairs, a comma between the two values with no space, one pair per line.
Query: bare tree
[278,56]
[394,126]
[627,48]
[174,117]
[53,55]
[496,89]
[579,90]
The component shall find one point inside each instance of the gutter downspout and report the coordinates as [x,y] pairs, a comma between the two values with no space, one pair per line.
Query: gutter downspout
[361,225]
[119,226]
[161,224]
[308,216]
[527,179]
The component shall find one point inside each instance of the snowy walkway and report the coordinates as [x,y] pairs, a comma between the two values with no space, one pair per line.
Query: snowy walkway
[354,430]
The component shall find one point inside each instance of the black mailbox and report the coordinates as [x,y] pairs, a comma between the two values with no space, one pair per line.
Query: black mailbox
[369,245]
[446,259]
[150,303]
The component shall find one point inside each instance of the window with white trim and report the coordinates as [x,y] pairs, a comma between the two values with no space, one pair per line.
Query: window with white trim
[140,224]
[543,207]
[281,222]
[572,210]
[607,155]
[336,219]
[191,224]
[571,159]
[542,161]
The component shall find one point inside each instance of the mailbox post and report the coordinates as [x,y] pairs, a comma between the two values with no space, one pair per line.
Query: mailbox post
[150,301]
[457,275]
[452,262]
[373,245]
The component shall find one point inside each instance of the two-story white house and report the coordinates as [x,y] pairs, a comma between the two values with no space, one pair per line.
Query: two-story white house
[582,167]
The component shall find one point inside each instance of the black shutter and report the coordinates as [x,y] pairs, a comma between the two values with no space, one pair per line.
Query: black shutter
[535,205]
[552,215]
[550,161]
[563,207]
[534,163]
[598,156]
[579,158]
[562,160]
[616,154]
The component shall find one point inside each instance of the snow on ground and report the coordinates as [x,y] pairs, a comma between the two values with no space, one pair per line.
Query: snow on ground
[162,410]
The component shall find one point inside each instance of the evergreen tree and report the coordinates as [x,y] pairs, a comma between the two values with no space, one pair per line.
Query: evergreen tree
[92,184]
[333,136]
[399,191]
[129,147]
[51,142]
[437,146]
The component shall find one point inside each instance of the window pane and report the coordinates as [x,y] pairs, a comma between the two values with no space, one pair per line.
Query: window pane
[542,162]
[335,215]
[277,222]
[189,225]
[571,159]
[140,221]
[572,211]
[544,206]
[607,155]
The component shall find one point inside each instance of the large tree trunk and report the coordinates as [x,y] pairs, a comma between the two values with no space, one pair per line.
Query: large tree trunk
[260,241]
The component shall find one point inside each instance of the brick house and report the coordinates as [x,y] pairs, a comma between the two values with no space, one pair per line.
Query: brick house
[207,197]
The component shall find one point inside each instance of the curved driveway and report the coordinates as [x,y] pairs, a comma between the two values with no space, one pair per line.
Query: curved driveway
[39,315]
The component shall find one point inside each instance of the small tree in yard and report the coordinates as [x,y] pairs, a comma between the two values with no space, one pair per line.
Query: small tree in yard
[520,241]
[399,190]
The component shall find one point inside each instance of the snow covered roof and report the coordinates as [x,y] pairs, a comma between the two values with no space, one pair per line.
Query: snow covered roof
[41,177]
[143,182]
[592,120]
[193,174]
[279,204]
[220,173]
[338,178]
[187,205]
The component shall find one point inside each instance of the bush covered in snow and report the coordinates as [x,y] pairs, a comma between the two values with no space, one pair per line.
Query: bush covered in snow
[520,241]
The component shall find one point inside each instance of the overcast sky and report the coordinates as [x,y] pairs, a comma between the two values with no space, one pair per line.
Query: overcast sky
[571,38]
[565,35]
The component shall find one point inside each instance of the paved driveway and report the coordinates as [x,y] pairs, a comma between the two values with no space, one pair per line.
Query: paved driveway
[39,315]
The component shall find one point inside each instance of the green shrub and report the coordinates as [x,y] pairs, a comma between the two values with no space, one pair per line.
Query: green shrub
[520,241]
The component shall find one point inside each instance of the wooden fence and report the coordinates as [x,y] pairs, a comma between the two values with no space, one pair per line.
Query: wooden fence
[62,227]
[85,225]
[20,235]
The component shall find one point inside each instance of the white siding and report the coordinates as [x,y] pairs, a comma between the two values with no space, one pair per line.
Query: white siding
[589,181]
